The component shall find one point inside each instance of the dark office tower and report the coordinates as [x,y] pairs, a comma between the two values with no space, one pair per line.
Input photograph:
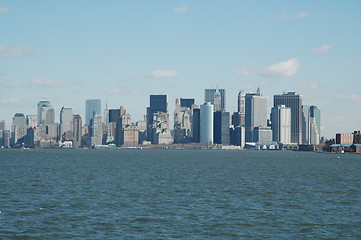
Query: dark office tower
[210,95]
[196,125]
[237,119]
[293,101]
[77,130]
[221,131]
[92,108]
[186,102]
[256,113]
[29,138]
[158,103]
[114,114]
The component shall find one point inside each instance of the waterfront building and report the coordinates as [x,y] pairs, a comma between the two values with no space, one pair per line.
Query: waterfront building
[315,125]
[344,138]
[255,113]
[77,130]
[293,101]
[306,125]
[128,136]
[262,134]
[206,123]
[18,129]
[281,124]
[221,128]
[92,108]
[211,94]
[6,138]
[66,123]
[238,136]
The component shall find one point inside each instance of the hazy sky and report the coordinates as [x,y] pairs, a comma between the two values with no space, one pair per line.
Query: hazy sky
[123,51]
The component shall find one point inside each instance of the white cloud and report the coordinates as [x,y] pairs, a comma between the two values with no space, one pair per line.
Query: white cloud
[9,100]
[323,49]
[14,51]
[115,90]
[282,69]
[243,71]
[4,9]
[285,16]
[356,98]
[51,83]
[163,73]
[14,85]
[182,9]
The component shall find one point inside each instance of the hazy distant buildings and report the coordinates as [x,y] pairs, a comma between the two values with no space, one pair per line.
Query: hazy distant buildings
[206,123]
[92,108]
[255,113]
[217,97]
[293,101]
[281,124]
[2,125]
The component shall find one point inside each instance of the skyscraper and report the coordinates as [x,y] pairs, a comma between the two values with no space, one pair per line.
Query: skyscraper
[255,113]
[196,124]
[210,95]
[96,132]
[158,103]
[46,113]
[221,128]
[182,121]
[281,124]
[206,123]
[66,122]
[315,125]
[241,102]
[77,130]
[293,101]
[92,108]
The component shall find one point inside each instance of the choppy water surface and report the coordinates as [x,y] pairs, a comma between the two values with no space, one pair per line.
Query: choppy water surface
[154,194]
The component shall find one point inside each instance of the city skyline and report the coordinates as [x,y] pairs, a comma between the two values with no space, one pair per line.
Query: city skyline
[121,52]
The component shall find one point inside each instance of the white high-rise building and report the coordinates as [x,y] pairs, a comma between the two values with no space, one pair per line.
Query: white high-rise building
[256,113]
[281,124]
[96,130]
[46,114]
[66,120]
[206,123]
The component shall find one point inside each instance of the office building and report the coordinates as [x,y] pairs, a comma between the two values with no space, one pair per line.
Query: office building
[32,121]
[221,128]
[66,123]
[241,102]
[158,104]
[210,95]
[196,124]
[262,134]
[19,119]
[255,113]
[281,124]
[182,122]
[293,101]
[186,102]
[77,130]
[306,125]
[96,132]
[315,125]
[92,108]
[206,123]
[46,113]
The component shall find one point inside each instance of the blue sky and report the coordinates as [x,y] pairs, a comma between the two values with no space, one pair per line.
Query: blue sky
[123,51]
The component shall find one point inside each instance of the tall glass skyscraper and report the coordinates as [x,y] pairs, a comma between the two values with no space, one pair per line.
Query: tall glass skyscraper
[293,101]
[92,108]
